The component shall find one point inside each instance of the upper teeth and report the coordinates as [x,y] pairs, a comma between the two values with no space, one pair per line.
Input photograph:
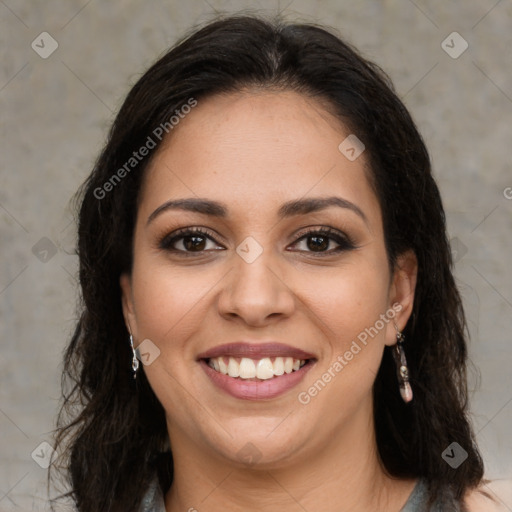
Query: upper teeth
[246,368]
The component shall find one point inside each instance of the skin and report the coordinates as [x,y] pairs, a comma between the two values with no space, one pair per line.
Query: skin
[253,151]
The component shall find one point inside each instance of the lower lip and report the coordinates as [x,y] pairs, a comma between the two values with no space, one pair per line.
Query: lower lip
[253,390]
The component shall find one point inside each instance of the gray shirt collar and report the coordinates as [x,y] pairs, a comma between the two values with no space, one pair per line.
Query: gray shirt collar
[153,500]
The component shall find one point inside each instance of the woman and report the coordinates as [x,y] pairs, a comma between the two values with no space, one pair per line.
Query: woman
[263,233]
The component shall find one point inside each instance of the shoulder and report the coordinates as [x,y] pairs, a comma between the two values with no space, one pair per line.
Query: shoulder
[491,496]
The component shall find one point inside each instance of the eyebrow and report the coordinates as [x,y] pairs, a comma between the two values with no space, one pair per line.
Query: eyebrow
[288,209]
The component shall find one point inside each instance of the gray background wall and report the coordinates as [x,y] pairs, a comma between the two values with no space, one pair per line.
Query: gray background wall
[55,114]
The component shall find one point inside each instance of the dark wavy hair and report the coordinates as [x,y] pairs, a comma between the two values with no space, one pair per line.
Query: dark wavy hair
[112,433]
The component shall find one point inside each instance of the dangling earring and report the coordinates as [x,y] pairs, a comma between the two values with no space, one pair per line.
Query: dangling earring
[135,361]
[402,370]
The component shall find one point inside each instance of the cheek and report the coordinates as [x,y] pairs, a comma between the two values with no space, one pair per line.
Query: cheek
[347,301]
[353,311]
[170,306]
[169,302]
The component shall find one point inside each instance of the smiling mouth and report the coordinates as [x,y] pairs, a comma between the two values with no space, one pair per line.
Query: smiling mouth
[244,368]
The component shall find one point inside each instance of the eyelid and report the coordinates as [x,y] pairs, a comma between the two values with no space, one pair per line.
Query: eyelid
[344,241]
[164,241]
[324,230]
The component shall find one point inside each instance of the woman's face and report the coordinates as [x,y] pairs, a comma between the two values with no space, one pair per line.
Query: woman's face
[255,287]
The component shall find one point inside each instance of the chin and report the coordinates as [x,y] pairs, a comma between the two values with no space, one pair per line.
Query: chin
[259,450]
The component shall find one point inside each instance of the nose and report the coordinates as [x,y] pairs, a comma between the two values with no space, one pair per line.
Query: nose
[256,292]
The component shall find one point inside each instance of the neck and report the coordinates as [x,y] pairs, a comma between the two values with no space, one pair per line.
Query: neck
[342,475]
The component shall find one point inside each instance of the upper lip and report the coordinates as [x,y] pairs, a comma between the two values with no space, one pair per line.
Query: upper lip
[255,351]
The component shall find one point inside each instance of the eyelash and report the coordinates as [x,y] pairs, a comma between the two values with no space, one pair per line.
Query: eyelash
[344,242]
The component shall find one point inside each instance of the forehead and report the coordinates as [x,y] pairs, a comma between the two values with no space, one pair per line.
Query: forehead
[253,150]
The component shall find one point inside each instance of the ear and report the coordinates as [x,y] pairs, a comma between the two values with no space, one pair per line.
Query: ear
[127,303]
[401,293]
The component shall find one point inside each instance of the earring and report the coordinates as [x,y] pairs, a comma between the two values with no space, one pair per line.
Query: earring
[135,361]
[402,370]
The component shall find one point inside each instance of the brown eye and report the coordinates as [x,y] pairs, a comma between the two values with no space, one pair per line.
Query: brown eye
[194,242]
[190,240]
[318,241]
